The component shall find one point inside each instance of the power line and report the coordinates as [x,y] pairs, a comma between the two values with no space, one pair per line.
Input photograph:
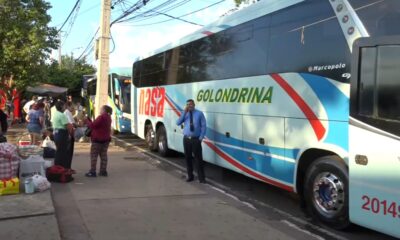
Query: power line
[71,23]
[155,11]
[180,19]
[187,14]
[72,11]
[160,9]
[90,43]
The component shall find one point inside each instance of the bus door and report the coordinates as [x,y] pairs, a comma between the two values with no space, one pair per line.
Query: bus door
[374,132]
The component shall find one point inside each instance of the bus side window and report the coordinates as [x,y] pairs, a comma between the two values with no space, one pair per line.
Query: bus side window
[378,98]
[388,86]
[136,74]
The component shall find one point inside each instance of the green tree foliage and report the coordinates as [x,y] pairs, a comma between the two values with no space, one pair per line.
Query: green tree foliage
[26,41]
[69,74]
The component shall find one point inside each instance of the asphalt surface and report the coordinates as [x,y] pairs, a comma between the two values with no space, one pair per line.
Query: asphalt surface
[269,202]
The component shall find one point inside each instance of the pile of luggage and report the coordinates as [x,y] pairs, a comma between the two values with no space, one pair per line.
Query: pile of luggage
[24,169]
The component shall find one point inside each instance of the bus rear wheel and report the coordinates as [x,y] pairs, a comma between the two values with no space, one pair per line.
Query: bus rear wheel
[150,138]
[162,141]
[326,192]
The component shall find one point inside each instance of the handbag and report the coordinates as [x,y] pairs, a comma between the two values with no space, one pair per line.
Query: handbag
[60,174]
[48,143]
[88,132]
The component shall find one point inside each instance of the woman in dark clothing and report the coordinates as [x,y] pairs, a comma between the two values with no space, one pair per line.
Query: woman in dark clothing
[62,129]
[101,137]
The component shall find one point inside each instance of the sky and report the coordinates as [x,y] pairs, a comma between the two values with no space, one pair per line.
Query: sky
[132,39]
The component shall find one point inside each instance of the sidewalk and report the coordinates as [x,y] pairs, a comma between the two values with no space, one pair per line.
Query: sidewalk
[27,216]
[143,200]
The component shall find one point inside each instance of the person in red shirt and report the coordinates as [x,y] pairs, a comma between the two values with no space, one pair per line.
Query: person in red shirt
[101,138]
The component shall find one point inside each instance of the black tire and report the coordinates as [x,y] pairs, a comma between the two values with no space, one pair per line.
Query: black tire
[150,138]
[162,141]
[326,192]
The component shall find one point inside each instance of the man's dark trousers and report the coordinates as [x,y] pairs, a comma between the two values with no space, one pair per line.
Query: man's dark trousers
[192,147]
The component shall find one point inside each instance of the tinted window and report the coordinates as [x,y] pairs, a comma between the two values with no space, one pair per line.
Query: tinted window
[91,87]
[367,83]
[171,66]
[379,17]
[307,38]
[136,73]
[240,51]
[125,95]
[388,82]
[152,70]
[184,72]
[378,88]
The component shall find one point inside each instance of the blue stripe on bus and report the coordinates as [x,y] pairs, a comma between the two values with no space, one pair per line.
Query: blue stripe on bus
[269,166]
[336,105]
[218,137]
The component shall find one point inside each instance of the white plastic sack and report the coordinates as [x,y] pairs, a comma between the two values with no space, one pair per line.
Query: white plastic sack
[41,184]
[47,142]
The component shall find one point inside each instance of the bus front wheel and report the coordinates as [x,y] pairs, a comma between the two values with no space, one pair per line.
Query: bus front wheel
[150,138]
[162,141]
[326,192]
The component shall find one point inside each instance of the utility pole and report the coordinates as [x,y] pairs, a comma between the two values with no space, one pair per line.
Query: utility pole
[104,52]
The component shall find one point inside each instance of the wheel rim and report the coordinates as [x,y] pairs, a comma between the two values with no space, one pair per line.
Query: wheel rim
[150,137]
[329,194]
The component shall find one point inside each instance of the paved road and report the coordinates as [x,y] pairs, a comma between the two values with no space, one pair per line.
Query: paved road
[270,202]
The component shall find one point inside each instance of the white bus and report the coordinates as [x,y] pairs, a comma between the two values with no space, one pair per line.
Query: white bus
[274,82]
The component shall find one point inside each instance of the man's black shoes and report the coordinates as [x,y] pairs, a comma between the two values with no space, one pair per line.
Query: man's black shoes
[203,181]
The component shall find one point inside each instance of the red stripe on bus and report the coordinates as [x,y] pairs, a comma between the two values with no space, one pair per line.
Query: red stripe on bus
[246,170]
[173,107]
[316,124]
[208,33]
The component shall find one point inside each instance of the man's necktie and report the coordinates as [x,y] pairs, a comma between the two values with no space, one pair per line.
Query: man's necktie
[191,121]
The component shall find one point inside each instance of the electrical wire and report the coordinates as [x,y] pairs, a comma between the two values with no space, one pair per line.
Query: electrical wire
[180,19]
[71,23]
[112,40]
[90,43]
[160,9]
[184,15]
[72,11]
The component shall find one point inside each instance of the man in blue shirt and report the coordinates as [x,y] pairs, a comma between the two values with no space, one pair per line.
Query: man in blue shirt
[193,134]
